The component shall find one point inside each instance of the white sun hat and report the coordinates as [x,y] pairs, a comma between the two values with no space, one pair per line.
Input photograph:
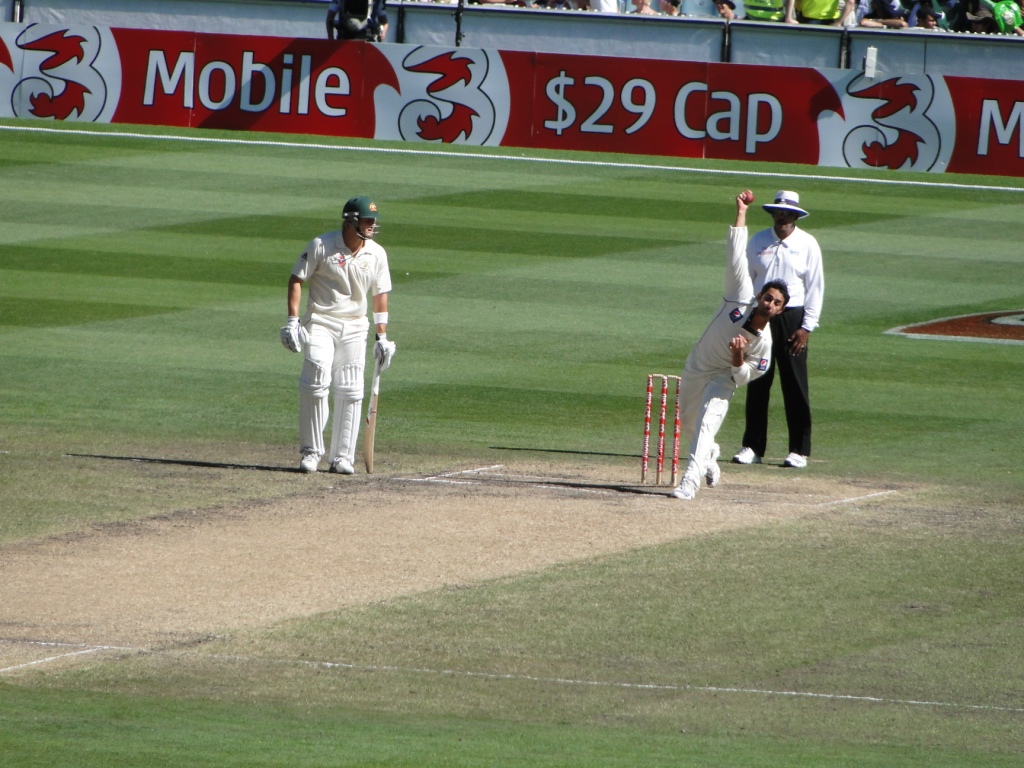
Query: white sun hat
[786,200]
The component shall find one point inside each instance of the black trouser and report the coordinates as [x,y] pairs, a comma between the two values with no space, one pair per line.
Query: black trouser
[793,375]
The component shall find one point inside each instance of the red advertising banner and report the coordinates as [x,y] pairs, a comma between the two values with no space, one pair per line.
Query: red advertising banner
[826,117]
[250,83]
[681,109]
[989,129]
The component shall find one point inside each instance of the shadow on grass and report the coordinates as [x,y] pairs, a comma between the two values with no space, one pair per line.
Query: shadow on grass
[185,462]
[566,450]
[639,490]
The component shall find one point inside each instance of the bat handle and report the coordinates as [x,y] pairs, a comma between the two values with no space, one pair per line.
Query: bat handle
[375,386]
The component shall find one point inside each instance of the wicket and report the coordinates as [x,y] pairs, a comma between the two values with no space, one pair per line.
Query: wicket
[645,455]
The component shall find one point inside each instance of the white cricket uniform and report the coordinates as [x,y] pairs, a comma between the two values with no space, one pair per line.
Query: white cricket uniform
[340,287]
[709,378]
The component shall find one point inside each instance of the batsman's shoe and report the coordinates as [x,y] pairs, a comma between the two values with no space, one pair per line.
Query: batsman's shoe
[686,490]
[746,456]
[342,467]
[795,460]
[310,462]
[713,473]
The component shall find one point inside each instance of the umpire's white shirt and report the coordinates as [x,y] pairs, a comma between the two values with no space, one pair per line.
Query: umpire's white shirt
[795,260]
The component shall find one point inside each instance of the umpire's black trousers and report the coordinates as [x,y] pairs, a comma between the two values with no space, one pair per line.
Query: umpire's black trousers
[793,376]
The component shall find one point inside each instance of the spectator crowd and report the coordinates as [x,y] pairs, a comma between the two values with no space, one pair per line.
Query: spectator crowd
[1004,17]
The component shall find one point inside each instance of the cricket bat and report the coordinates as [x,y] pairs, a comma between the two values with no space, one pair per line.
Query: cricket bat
[371,421]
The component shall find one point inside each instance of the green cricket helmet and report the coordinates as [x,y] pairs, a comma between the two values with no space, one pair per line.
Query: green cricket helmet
[359,208]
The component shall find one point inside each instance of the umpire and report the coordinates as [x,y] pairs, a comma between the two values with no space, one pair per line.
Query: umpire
[785,252]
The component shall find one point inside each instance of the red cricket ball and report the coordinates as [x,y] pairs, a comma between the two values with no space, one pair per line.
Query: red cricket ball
[747,196]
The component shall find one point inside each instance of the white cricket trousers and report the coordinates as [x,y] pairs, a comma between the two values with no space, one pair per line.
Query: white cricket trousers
[705,402]
[335,358]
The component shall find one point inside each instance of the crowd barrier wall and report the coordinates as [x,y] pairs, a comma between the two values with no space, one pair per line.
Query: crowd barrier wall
[607,102]
[709,40]
[285,18]
[518,29]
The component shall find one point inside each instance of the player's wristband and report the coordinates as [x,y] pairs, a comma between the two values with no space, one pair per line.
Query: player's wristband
[380,318]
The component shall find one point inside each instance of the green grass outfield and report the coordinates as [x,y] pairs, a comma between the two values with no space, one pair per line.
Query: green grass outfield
[142,286]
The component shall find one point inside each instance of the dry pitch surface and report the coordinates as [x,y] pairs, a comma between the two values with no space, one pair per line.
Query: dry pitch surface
[166,581]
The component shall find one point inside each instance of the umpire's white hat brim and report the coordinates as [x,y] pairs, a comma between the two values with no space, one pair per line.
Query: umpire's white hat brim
[786,201]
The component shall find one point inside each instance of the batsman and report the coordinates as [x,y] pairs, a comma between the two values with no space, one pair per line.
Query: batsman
[344,271]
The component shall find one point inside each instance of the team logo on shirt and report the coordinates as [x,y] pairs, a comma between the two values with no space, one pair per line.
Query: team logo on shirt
[763,365]
[736,315]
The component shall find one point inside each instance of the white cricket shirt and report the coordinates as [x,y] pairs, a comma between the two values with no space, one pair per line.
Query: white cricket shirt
[340,284]
[711,355]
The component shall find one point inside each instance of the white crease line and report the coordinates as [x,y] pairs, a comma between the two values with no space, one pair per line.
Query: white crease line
[573,490]
[665,687]
[526,479]
[48,643]
[536,679]
[854,498]
[465,471]
[441,480]
[47,660]
[443,477]
[631,686]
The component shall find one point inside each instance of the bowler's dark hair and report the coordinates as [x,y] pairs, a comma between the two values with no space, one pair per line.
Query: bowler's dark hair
[780,286]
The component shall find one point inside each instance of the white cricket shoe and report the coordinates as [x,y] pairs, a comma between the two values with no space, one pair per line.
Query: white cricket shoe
[795,460]
[713,474]
[686,490]
[746,456]
[342,467]
[310,462]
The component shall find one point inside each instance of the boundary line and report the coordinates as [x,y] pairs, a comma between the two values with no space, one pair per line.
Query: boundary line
[513,158]
[681,687]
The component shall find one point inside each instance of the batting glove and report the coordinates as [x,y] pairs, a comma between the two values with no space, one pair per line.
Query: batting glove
[293,335]
[383,351]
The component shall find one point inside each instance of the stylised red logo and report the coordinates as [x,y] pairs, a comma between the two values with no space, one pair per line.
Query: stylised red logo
[450,71]
[895,97]
[5,56]
[891,123]
[450,96]
[61,73]
[63,47]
